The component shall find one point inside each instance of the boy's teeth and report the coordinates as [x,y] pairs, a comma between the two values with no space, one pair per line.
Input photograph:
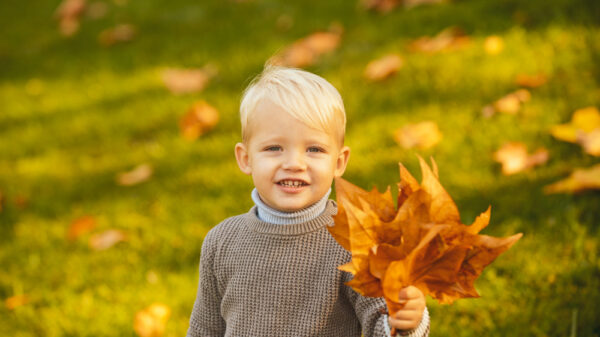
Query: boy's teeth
[290,183]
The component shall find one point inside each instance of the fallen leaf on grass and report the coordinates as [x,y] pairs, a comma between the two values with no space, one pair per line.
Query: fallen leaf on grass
[183,81]
[590,142]
[421,243]
[106,239]
[21,201]
[118,34]
[306,51]
[384,6]
[514,158]
[414,3]
[80,226]
[383,67]
[421,135]
[1,202]
[97,10]
[581,179]
[509,104]
[138,175]
[16,301]
[531,81]
[199,119]
[584,129]
[448,39]
[151,321]
[68,15]
[493,45]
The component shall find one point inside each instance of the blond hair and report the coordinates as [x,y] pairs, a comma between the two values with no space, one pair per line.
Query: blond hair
[305,96]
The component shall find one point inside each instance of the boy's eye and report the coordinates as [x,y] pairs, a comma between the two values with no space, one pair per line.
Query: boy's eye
[273,148]
[315,149]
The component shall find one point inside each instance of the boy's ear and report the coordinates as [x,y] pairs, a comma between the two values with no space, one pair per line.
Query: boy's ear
[242,157]
[342,161]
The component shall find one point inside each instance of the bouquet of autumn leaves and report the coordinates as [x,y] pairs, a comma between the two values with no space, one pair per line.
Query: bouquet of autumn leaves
[420,243]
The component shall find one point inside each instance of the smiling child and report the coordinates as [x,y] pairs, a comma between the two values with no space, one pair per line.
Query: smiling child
[273,271]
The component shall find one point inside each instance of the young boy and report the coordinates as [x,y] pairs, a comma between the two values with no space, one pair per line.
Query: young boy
[273,271]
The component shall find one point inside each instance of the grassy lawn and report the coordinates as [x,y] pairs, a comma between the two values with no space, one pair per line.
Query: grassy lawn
[74,114]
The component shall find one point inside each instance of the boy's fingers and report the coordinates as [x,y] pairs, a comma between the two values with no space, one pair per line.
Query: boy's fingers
[411,306]
[402,324]
[409,292]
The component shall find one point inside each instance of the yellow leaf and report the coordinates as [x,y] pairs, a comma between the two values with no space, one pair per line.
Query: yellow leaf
[16,301]
[531,81]
[136,176]
[514,157]
[421,135]
[383,67]
[199,119]
[106,239]
[583,120]
[306,51]
[182,81]
[118,34]
[80,226]
[448,39]
[151,321]
[493,45]
[581,179]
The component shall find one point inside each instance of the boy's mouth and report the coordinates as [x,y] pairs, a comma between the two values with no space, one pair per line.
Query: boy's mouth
[292,183]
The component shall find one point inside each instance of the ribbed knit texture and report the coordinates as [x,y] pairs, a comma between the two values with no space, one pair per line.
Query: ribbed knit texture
[264,279]
[269,214]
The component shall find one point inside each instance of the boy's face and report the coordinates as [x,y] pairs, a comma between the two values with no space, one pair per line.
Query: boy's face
[292,165]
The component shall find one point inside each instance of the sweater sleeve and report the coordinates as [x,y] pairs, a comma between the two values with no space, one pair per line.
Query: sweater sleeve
[206,320]
[369,311]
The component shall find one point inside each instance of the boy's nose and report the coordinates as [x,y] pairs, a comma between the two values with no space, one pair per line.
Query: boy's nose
[294,161]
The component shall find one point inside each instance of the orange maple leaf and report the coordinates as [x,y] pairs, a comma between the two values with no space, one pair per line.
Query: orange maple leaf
[422,242]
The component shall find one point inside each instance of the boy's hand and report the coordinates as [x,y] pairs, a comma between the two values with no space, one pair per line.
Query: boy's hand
[410,315]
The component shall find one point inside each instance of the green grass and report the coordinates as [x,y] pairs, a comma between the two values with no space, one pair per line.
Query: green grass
[74,114]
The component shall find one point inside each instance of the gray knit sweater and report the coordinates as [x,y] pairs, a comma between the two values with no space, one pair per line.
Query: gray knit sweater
[264,279]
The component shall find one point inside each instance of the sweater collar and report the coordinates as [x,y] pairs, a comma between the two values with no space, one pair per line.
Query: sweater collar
[321,220]
[269,214]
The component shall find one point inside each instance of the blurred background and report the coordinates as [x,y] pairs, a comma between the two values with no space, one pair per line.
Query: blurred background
[118,120]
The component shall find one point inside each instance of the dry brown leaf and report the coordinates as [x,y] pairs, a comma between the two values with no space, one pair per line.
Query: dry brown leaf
[583,129]
[21,201]
[383,67]
[493,45]
[118,34]
[97,10]
[200,118]
[421,135]
[531,81]
[81,226]
[590,142]
[306,51]
[138,175]
[16,301]
[509,104]
[414,3]
[151,321]
[448,39]
[514,157]
[68,15]
[421,243]
[106,239]
[581,179]
[183,81]
[384,6]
